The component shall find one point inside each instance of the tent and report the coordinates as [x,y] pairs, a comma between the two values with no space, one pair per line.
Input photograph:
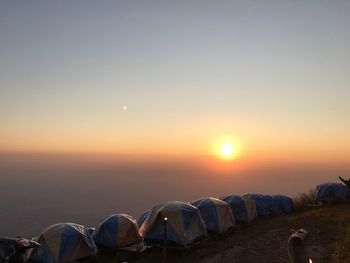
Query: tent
[63,242]
[216,214]
[332,192]
[183,223]
[142,218]
[251,207]
[90,230]
[275,204]
[262,203]
[284,203]
[238,207]
[117,231]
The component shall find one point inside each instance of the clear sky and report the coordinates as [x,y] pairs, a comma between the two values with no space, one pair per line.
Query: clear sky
[274,75]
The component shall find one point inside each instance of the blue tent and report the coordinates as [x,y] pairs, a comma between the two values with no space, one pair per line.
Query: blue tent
[275,204]
[90,230]
[238,208]
[285,203]
[263,204]
[183,223]
[216,214]
[288,204]
[63,242]
[331,192]
[142,218]
[117,231]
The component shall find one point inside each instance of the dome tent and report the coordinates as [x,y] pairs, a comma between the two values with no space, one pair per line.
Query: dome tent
[63,242]
[285,203]
[90,230]
[262,203]
[184,225]
[275,204]
[251,207]
[332,192]
[142,218]
[238,208]
[117,231]
[216,214]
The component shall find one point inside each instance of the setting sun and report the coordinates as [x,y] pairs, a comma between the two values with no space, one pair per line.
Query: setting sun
[227,148]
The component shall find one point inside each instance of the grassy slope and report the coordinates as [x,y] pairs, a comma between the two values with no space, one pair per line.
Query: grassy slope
[265,240]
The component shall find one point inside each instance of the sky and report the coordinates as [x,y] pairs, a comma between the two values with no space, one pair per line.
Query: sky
[272,75]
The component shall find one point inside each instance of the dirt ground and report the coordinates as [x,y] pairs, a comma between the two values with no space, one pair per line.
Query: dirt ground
[325,227]
[265,240]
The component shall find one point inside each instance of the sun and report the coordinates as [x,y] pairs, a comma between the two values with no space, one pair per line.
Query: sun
[227,148]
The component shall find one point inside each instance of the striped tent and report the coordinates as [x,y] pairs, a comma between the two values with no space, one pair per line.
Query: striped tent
[183,223]
[243,208]
[216,213]
[63,242]
[117,231]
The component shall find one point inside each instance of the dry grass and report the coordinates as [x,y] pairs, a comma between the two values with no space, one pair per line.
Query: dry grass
[342,252]
[304,199]
[265,240]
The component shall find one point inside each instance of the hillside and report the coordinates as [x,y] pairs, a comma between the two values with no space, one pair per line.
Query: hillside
[265,240]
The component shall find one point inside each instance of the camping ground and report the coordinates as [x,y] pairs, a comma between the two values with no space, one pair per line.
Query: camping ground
[265,240]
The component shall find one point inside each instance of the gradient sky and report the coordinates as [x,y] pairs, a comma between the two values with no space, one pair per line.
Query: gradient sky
[273,74]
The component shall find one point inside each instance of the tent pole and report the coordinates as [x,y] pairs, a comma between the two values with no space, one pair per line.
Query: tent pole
[165,239]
